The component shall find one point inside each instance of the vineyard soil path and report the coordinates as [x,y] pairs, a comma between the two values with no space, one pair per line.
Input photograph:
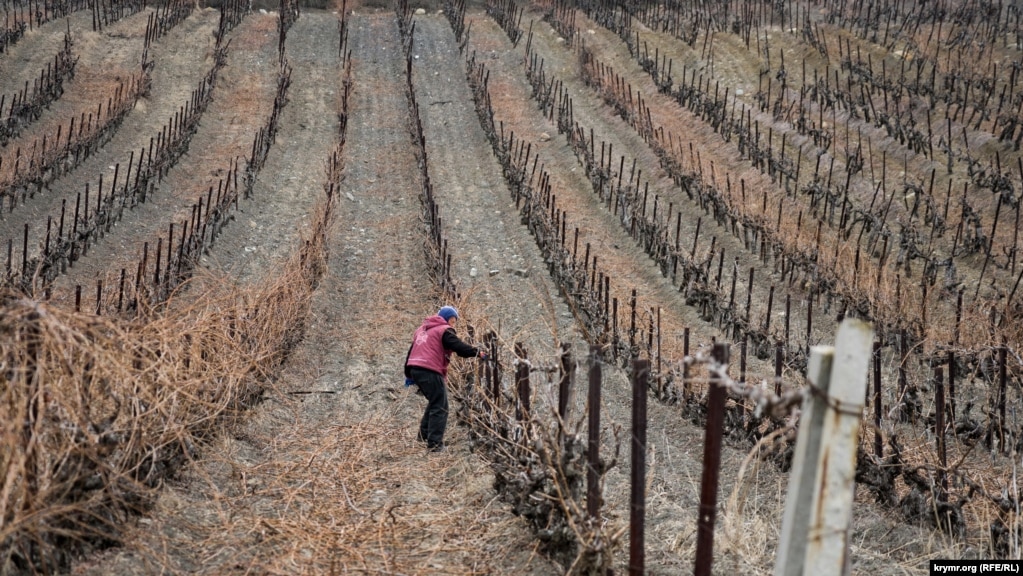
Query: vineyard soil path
[242,100]
[23,61]
[181,58]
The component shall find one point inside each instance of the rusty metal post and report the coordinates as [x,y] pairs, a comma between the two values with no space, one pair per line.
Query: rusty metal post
[607,308]
[522,384]
[809,322]
[565,387]
[778,355]
[742,358]
[1001,395]
[493,370]
[878,440]
[593,500]
[486,383]
[650,336]
[788,315]
[952,384]
[637,502]
[614,328]
[711,468]
[749,295]
[120,292]
[475,381]
[939,427]
[632,323]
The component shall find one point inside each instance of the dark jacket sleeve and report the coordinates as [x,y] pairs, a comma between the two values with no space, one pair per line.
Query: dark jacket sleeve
[407,355]
[452,342]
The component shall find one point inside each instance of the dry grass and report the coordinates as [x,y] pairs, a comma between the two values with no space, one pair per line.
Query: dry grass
[343,504]
[98,411]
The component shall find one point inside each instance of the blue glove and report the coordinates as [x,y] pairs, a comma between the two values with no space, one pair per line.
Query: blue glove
[409,382]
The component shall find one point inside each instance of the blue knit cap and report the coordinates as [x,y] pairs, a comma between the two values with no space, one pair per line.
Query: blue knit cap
[448,312]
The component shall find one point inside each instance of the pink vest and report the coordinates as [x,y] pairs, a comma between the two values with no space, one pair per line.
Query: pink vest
[428,348]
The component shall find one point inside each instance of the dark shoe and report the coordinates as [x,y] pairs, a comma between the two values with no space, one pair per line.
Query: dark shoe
[438,448]
[420,437]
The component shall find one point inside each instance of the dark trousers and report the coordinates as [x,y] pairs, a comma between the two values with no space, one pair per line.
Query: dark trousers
[435,418]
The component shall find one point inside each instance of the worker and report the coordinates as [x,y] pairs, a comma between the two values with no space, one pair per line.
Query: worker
[426,366]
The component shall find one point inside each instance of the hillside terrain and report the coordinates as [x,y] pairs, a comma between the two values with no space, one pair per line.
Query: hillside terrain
[229,317]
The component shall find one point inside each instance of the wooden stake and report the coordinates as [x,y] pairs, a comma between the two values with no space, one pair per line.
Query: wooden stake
[593,497]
